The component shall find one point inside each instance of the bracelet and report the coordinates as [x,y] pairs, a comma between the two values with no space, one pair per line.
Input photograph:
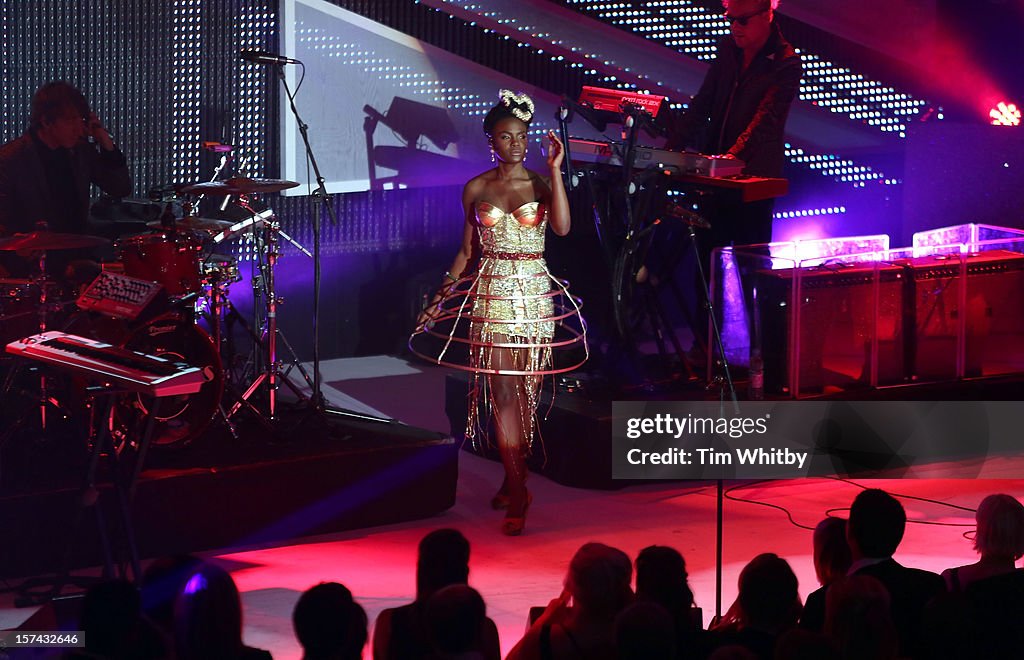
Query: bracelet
[450,276]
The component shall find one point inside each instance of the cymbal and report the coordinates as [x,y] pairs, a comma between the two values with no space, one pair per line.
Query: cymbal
[50,240]
[239,185]
[193,224]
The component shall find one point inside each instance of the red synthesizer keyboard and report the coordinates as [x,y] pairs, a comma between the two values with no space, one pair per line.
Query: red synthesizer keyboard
[103,362]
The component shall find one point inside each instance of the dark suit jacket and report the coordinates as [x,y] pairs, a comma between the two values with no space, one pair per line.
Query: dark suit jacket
[981,622]
[910,589]
[744,114]
[25,193]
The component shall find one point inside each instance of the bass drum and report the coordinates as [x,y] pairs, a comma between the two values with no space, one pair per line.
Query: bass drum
[180,419]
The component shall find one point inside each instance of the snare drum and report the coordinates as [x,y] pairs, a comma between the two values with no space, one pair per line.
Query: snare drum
[168,258]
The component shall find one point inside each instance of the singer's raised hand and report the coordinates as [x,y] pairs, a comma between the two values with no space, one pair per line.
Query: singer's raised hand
[556,151]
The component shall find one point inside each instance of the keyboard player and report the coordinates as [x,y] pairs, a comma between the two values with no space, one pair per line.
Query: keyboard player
[741,111]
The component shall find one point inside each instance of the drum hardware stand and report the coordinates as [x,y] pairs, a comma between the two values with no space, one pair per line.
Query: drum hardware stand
[217,295]
[318,405]
[271,373]
[225,157]
[44,308]
[218,302]
[124,480]
[43,399]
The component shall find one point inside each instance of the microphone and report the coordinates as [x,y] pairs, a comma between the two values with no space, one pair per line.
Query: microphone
[265,57]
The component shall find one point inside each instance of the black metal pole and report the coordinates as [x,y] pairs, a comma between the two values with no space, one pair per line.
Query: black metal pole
[322,199]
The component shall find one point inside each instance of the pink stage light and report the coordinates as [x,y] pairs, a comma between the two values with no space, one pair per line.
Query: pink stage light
[1005,114]
[952,70]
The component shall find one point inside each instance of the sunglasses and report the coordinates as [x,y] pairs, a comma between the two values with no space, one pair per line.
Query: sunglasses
[744,19]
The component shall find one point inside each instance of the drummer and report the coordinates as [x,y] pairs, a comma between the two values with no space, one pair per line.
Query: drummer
[45,173]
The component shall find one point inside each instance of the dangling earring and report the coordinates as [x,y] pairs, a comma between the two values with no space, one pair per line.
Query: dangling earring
[524,155]
[493,160]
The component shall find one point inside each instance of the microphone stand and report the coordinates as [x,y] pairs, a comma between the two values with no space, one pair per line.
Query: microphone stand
[629,132]
[568,109]
[562,117]
[316,400]
[720,483]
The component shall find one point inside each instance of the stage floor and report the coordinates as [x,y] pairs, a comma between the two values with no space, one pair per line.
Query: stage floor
[513,574]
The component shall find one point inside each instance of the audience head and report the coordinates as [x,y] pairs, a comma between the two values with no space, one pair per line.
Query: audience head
[329,624]
[161,583]
[645,631]
[455,616]
[443,560]
[599,579]
[859,620]
[110,612]
[208,616]
[661,578]
[831,551]
[876,525]
[1000,527]
[768,594]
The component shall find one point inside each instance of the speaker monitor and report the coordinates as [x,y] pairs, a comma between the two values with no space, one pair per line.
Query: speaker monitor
[837,324]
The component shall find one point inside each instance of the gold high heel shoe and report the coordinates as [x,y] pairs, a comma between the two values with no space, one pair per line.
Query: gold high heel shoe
[514,525]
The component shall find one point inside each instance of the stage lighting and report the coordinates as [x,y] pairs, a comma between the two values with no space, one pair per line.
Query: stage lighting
[1005,114]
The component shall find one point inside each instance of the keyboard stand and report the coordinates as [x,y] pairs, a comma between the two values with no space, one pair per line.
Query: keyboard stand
[124,481]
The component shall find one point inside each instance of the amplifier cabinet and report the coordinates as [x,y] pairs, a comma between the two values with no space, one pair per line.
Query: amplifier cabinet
[986,341]
[838,326]
[906,326]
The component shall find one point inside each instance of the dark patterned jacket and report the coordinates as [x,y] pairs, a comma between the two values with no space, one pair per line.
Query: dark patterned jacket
[26,196]
[743,114]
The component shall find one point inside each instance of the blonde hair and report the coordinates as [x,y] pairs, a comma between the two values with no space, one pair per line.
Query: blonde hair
[1000,527]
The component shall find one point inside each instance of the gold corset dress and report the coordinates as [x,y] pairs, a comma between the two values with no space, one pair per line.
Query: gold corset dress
[510,317]
[514,288]
[511,301]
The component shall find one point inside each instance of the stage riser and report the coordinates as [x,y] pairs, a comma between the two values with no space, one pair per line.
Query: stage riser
[225,507]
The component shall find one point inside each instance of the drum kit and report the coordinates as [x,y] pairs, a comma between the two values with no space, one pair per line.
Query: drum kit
[185,322]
